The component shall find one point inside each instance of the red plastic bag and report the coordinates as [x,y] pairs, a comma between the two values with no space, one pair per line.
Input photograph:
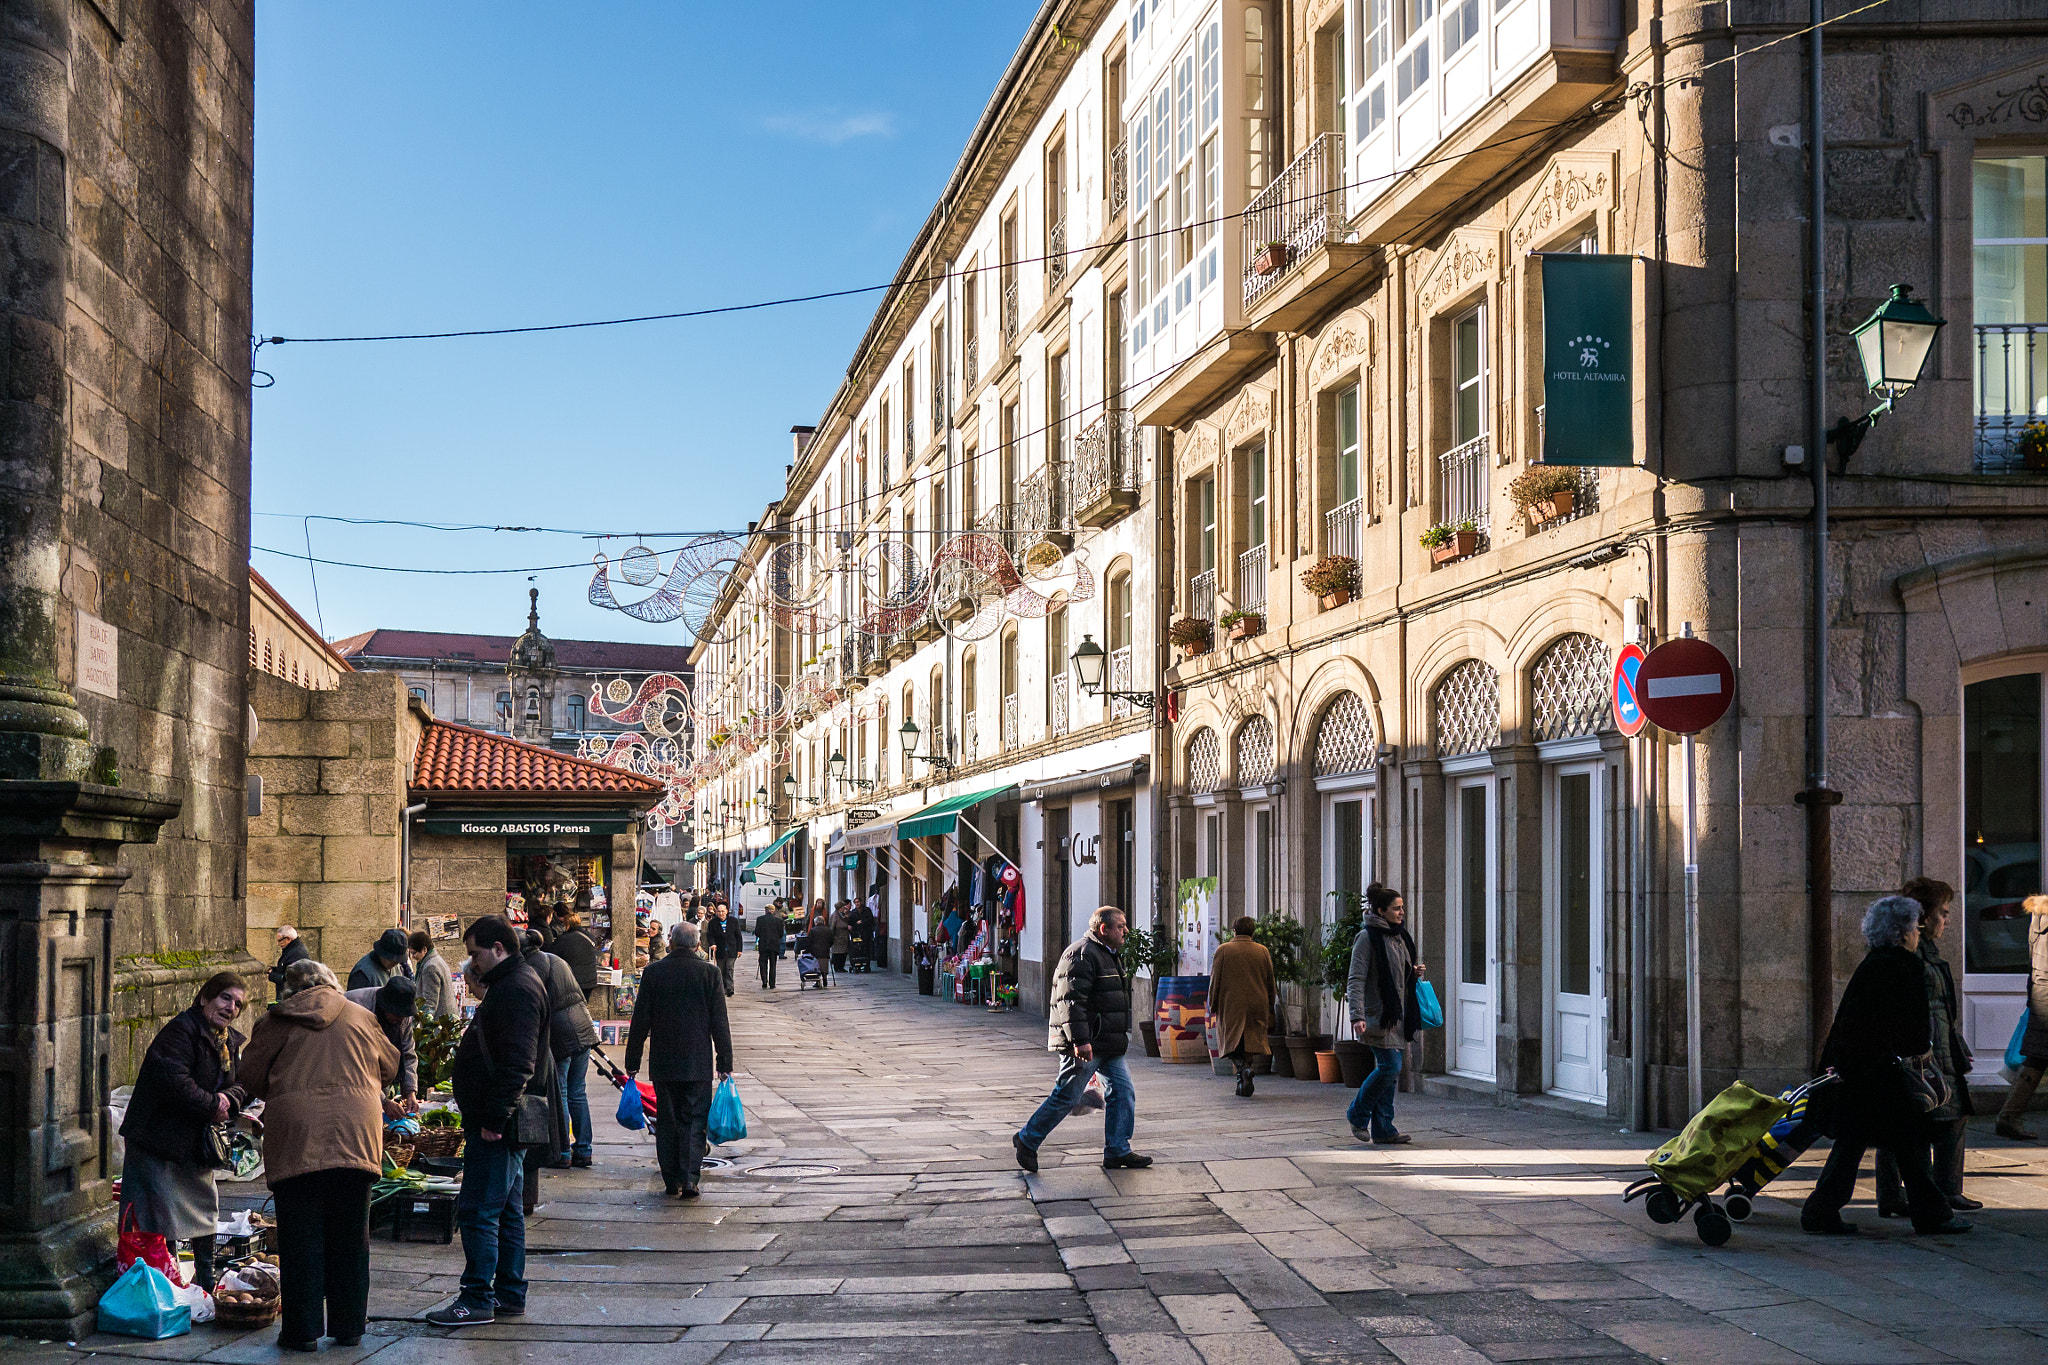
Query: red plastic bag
[146,1247]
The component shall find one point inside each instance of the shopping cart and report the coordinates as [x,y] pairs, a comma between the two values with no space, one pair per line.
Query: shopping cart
[620,1080]
[1744,1139]
[809,971]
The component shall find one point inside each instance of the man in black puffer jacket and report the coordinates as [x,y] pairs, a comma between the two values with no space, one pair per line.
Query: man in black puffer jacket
[1091,1031]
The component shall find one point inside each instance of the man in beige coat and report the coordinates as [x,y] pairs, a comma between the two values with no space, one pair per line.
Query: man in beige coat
[1241,1000]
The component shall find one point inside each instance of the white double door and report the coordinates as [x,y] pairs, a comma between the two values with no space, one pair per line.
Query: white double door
[1470,974]
[1574,950]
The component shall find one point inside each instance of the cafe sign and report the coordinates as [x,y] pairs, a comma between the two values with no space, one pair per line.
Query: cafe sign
[527,824]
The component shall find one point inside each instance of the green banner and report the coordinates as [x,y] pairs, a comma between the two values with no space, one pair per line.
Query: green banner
[526,823]
[1588,353]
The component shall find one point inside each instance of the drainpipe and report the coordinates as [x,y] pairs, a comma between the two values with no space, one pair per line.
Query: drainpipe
[1162,734]
[405,863]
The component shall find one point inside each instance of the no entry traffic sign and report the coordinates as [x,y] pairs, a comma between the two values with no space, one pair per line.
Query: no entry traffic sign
[1685,685]
[1628,712]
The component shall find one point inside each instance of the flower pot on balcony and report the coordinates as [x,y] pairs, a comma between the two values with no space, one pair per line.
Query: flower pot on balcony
[1246,627]
[1543,511]
[1332,600]
[1460,544]
[1194,651]
[1271,258]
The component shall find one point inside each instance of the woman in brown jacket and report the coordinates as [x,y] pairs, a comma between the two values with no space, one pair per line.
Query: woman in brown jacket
[1241,1000]
[320,1064]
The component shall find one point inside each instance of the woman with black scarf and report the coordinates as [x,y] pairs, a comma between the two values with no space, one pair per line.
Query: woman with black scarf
[1380,995]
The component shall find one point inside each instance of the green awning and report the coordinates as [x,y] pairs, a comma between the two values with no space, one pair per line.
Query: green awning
[696,855]
[771,850]
[941,816]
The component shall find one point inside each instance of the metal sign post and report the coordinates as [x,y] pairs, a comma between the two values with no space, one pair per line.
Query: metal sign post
[1693,1097]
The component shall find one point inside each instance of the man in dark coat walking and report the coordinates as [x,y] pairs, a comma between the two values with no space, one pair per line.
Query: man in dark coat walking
[503,1056]
[682,1008]
[768,932]
[724,939]
[1090,1030]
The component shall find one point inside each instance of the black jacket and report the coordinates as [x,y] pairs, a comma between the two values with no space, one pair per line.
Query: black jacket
[511,1026]
[579,950]
[177,1089]
[1883,1017]
[570,1028]
[723,938]
[768,932]
[682,1008]
[295,951]
[1091,1001]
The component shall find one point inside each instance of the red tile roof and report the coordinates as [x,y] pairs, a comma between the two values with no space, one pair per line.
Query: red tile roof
[455,759]
[620,655]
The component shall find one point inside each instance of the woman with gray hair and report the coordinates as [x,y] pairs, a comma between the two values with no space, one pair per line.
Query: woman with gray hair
[1881,1023]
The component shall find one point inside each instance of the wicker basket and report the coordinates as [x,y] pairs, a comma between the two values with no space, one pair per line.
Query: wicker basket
[437,1142]
[397,1154]
[247,1314]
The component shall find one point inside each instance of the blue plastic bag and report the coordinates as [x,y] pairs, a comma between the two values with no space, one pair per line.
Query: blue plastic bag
[1428,1006]
[632,1114]
[2014,1058]
[728,1120]
[141,1304]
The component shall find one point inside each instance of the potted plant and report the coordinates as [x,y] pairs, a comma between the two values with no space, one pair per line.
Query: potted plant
[1136,956]
[1193,634]
[1271,258]
[1545,492]
[1449,540]
[1243,624]
[1353,1058]
[2031,445]
[1282,937]
[1333,579]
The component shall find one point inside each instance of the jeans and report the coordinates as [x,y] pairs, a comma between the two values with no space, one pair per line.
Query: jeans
[1837,1184]
[1948,1165]
[490,1211]
[1120,1105]
[768,961]
[1373,1106]
[570,1077]
[681,1109]
[323,1254]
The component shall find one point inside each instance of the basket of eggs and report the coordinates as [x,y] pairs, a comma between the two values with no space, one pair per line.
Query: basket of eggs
[247,1296]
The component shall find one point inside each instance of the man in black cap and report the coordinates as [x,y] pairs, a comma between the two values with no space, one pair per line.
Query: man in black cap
[393,1003]
[386,959]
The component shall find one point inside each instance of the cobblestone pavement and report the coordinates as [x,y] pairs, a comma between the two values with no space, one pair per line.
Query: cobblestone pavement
[875,1213]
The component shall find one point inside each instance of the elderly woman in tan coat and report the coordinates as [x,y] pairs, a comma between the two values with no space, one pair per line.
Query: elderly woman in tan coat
[320,1063]
[1241,1000]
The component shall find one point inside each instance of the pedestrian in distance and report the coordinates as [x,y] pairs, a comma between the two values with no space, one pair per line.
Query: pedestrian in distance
[186,1086]
[499,1073]
[1240,1002]
[818,942]
[1090,1030]
[681,1013]
[768,935]
[386,959]
[571,1035]
[1883,1020]
[290,948]
[432,975]
[320,1063]
[842,934]
[725,938]
[392,1005]
[2034,1041]
[1380,1000]
[1948,1122]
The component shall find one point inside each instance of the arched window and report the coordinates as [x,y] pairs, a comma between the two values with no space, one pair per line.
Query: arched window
[419,692]
[1569,689]
[1255,752]
[1344,739]
[1205,761]
[1467,710]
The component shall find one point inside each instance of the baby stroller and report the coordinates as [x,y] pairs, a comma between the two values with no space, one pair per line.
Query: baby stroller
[1744,1138]
[620,1081]
[808,971]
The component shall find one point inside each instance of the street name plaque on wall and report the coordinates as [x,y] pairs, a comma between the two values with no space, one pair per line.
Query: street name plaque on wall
[524,824]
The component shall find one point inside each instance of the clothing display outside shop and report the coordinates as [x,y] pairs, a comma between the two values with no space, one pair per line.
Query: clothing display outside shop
[976,927]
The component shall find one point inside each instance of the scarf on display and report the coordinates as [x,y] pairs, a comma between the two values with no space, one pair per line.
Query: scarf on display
[1012,896]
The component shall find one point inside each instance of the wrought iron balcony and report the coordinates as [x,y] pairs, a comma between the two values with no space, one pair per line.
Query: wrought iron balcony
[938,392]
[1105,470]
[1044,508]
[1119,180]
[909,434]
[1251,579]
[1120,681]
[970,738]
[1056,252]
[1056,706]
[1300,213]
[2012,390]
[1463,474]
[1202,596]
[970,362]
[1010,723]
[1010,317]
[1342,529]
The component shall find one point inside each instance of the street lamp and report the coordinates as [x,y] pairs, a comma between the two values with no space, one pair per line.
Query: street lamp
[1089,661]
[1893,344]
[837,763]
[907,735]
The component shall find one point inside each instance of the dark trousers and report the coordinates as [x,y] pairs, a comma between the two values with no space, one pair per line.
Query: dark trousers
[839,962]
[1837,1184]
[1947,1164]
[490,1211]
[323,1254]
[725,969]
[681,1108]
[768,961]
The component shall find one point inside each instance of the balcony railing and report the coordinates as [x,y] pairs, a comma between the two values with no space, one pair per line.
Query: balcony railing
[1586,497]
[970,738]
[1295,216]
[2012,389]
[1010,723]
[1120,681]
[1056,706]
[938,395]
[1202,595]
[1119,180]
[1251,579]
[1461,477]
[1044,506]
[1010,320]
[909,433]
[1342,529]
[970,362]
[1106,464]
[1056,252]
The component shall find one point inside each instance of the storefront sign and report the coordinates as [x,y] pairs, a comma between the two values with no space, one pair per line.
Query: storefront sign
[1588,350]
[524,824]
[872,835]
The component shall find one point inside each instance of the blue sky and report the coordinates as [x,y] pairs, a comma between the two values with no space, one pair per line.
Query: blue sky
[461,165]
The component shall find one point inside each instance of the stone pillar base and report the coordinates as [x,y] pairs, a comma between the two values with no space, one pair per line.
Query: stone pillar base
[51,1280]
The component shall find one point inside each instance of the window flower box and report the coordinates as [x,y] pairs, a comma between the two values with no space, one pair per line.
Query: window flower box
[1271,260]
[1447,541]
[1244,624]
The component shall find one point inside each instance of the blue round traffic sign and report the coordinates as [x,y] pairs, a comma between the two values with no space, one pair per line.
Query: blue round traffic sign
[1628,712]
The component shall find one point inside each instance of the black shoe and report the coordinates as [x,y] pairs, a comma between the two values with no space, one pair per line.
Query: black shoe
[671,1191]
[284,1345]
[461,1315]
[1397,1140]
[1832,1226]
[562,1165]
[1951,1226]
[1129,1161]
[346,1342]
[1964,1203]
[581,1163]
[1893,1211]
[1026,1157]
[689,1192]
